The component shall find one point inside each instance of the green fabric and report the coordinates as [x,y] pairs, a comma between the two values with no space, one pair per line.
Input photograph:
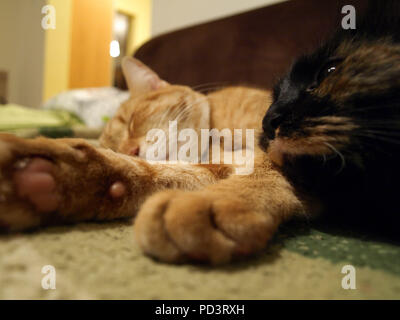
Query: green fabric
[338,245]
[14,117]
[78,131]
[102,261]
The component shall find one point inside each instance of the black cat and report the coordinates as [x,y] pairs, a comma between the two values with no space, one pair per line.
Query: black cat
[344,97]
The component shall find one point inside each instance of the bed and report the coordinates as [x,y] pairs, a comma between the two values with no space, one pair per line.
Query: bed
[303,261]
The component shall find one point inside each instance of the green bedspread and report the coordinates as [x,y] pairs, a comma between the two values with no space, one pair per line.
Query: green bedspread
[13,117]
[29,123]
[101,260]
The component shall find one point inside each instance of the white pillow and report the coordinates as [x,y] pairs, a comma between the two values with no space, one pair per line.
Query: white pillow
[93,105]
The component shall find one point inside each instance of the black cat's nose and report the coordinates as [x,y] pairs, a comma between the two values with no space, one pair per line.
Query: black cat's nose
[270,123]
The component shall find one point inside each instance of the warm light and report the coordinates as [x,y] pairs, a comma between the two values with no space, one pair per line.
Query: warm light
[120,25]
[114,49]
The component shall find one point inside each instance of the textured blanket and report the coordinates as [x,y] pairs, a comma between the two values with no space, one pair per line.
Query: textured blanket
[101,261]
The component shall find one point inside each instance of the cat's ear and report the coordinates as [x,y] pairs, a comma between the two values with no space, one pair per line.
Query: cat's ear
[139,77]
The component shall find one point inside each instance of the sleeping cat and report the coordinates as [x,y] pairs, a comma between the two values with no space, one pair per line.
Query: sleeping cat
[334,124]
[329,145]
[226,110]
[42,179]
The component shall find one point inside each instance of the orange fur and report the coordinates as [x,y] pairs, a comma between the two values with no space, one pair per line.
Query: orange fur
[211,215]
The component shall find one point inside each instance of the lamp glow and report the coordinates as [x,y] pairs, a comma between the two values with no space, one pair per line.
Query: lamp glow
[114,49]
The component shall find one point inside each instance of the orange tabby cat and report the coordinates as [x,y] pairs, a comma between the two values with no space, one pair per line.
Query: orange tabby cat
[233,108]
[210,214]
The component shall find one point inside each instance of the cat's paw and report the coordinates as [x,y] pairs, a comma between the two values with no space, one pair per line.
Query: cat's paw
[175,226]
[34,181]
[27,190]
[37,187]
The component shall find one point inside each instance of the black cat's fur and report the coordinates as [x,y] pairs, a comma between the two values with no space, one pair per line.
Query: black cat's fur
[346,94]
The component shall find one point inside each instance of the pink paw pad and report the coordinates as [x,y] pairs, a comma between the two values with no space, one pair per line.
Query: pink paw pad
[117,190]
[34,181]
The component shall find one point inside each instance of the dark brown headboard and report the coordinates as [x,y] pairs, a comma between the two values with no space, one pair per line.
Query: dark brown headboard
[251,48]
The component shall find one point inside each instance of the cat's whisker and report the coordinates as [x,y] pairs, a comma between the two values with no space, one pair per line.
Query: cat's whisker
[324,157]
[360,110]
[380,131]
[187,108]
[377,137]
[207,84]
[383,132]
[172,116]
[210,85]
[210,89]
[382,123]
[376,147]
[343,164]
[179,115]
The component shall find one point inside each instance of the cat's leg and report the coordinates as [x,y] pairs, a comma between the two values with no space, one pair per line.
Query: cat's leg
[47,181]
[231,218]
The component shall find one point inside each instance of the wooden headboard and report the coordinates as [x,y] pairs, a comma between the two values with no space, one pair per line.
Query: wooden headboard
[252,48]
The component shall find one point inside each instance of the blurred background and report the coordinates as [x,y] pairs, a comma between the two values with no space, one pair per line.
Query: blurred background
[60,60]
[91,36]
[66,81]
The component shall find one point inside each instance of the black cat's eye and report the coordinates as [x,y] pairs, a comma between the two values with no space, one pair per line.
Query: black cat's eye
[326,71]
[329,67]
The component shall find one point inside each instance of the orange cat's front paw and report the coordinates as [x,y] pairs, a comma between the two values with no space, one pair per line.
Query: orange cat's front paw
[41,183]
[174,226]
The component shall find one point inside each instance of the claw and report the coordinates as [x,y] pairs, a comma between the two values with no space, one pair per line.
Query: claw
[21,164]
[117,190]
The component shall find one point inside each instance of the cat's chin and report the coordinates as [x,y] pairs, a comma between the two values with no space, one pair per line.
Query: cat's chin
[282,148]
[275,152]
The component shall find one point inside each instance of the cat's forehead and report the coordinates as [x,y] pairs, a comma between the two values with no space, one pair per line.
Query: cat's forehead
[165,95]
[363,48]
[367,68]
[155,103]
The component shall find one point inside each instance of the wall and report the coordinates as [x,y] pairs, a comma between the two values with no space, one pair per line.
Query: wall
[22,50]
[91,34]
[169,15]
[57,50]
[42,63]
[65,61]
[140,11]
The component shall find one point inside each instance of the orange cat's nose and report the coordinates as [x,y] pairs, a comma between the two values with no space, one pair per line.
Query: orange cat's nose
[134,151]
